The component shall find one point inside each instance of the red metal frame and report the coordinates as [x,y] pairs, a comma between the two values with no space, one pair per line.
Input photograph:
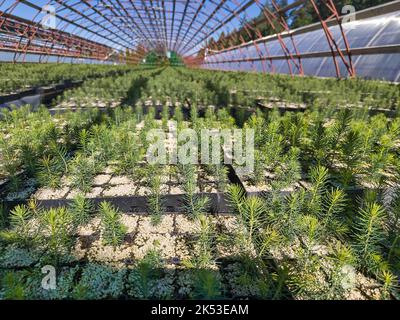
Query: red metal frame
[69,45]
[271,18]
[333,43]
[294,58]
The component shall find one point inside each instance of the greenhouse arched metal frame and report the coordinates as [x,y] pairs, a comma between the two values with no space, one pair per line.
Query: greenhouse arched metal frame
[205,33]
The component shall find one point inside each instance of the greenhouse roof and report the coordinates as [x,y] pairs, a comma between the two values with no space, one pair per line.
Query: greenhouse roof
[206,33]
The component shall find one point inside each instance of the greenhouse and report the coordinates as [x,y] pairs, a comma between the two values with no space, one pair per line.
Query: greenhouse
[199,150]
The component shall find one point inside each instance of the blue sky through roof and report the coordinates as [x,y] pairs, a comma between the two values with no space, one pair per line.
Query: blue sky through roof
[125,36]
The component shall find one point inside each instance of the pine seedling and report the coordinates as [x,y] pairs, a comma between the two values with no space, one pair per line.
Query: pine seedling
[259,168]
[49,173]
[15,181]
[390,283]
[288,171]
[61,155]
[83,171]
[351,152]
[285,216]
[236,196]
[320,142]
[3,216]
[20,218]
[340,127]
[253,217]
[194,116]
[342,276]
[113,231]
[165,117]
[84,141]
[81,210]
[251,213]
[207,284]
[394,227]
[143,279]
[310,229]
[139,112]
[319,178]
[151,115]
[220,173]
[334,204]
[57,225]
[194,204]
[269,238]
[204,243]
[29,159]
[178,116]
[34,206]
[12,284]
[155,199]
[369,234]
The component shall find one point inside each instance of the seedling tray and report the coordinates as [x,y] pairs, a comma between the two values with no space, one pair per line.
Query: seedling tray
[138,204]
[48,93]
[123,193]
[352,191]
[43,95]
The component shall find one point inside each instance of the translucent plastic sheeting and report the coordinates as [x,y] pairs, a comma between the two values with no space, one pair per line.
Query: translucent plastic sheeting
[376,66]
[35,58]
[379,66]
[378,31]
